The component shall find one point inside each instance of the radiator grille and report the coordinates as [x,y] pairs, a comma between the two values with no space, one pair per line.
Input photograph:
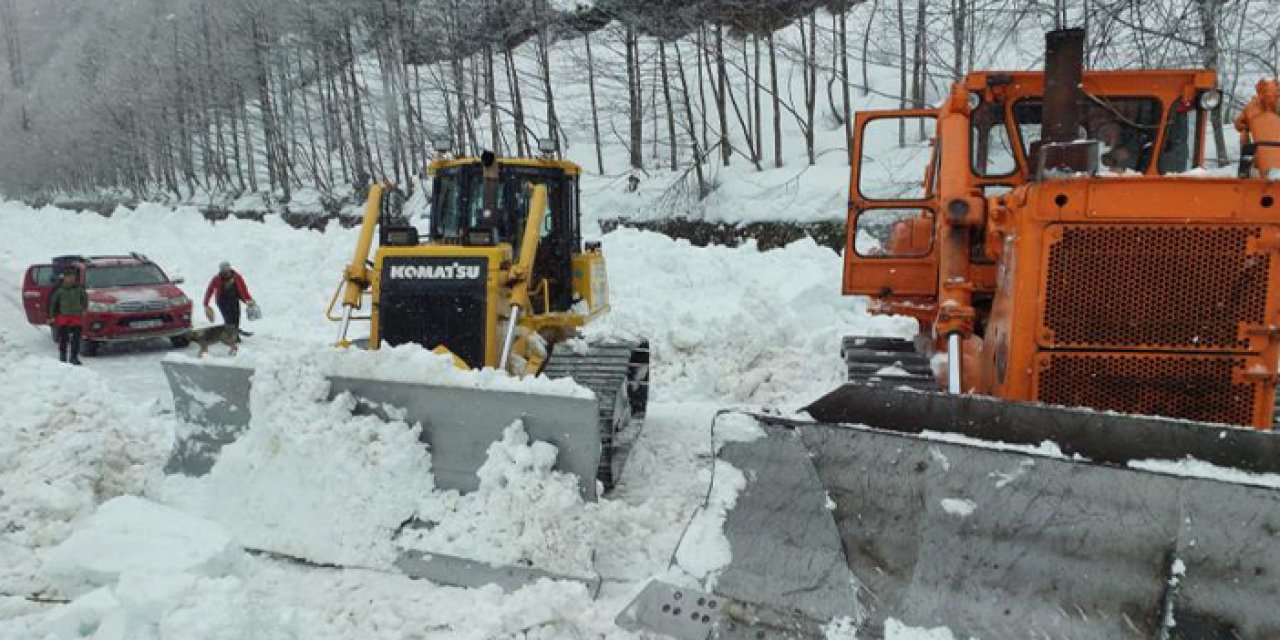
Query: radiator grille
[1154,286]
[1191,387]
[454,320]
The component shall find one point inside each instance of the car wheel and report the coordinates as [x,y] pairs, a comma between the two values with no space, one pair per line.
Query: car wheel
[179,342]
[91,347]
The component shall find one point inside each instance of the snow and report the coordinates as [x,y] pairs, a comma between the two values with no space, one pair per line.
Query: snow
[959,507]
[1201,469]
[305,459]
[129,534]
[895,630]
[67,444]
[727,326]
[735,323]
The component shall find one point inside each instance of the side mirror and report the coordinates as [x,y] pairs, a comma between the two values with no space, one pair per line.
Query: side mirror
[178,280]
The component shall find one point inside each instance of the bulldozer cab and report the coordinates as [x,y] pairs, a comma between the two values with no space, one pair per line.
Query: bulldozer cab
[474,204]
[1145,122]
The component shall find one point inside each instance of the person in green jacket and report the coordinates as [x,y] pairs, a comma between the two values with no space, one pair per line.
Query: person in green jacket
[66,313]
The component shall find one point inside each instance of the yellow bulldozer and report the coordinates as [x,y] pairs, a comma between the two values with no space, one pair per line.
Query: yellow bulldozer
[502,279]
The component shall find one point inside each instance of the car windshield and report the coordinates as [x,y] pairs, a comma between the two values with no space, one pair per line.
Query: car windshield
[123,276]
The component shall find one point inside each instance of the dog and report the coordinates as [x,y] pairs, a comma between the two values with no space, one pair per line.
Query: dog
[226,334]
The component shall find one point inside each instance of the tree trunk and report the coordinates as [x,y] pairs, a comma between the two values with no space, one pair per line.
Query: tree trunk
[1210,16]
[517,105]
[688,114]
[920,77]
[902,71]
[846,114]
[495,130]
[759,123]
[726,149]
[811,87]
[666,93]
[460,106]
[777,103]
[636,113]
[959,15]
[544,56]
[595,113]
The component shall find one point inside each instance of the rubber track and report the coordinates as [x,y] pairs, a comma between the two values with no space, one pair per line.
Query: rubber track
[609,369]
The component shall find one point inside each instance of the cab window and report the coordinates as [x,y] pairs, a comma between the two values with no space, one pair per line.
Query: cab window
[992,154]
[1126,128]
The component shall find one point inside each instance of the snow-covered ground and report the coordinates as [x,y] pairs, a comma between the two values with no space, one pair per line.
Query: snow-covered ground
[87,516]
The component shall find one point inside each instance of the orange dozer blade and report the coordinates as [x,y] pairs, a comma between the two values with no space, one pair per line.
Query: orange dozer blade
[917,519]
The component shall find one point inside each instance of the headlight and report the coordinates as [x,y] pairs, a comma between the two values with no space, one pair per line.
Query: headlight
[975,100]
[99,307]
[178,301]
[1209,100]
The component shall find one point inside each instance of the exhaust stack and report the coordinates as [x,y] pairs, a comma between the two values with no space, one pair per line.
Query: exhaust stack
[1060,153]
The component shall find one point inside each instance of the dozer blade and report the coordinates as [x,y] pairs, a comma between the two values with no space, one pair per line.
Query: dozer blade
[1096,435]
[993,543]
[458,423]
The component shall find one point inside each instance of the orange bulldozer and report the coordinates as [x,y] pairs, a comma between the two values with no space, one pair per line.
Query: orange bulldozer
[1078,444]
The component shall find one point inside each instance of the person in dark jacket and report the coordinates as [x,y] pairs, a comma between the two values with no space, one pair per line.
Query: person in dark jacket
[66,313]
[228,289]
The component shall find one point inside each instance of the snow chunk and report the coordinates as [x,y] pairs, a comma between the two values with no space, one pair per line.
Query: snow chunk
[523,513]
[1200,469]
[310,479]
[132,534]
[959,507]
[895,630]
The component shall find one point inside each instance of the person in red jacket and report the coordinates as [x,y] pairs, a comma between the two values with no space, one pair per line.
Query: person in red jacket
[228,289]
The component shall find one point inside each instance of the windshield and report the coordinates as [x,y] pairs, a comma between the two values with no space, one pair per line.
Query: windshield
[458,201]
[1126,128]
[123,276]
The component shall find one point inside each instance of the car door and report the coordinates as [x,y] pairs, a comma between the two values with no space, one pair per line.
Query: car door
[37,285]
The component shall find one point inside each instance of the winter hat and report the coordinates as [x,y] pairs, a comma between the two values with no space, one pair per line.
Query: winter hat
[224,266]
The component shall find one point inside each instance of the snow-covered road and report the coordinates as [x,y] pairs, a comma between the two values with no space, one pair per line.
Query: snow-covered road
[728,327]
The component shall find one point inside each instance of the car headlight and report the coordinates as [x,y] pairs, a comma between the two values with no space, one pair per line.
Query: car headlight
[99,307]
[178,300]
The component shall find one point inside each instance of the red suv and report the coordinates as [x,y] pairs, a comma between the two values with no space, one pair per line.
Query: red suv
[130,298]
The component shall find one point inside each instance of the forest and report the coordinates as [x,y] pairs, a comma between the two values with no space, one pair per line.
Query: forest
[181,100]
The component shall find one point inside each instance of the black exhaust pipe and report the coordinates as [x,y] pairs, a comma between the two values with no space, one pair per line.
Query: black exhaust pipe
[1063,66]
[1059,153]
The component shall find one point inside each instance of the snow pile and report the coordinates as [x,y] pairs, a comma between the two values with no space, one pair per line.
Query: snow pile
[524,513]
[162,574]
[413,363]
[310,479]
[402,363]
[1191,467]
[66,444]
[129,533]
[735,323]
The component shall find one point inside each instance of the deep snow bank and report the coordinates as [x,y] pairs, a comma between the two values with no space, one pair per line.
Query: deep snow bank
[735,323]
[66,444]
